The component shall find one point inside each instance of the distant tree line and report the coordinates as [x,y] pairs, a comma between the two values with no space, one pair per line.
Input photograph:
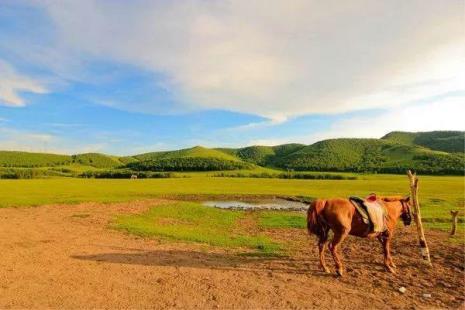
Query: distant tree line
[27,173]
[125,174]
[287,175]
[376,162]
[188,164]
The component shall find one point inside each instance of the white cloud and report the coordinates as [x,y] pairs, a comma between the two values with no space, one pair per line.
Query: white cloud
[257,125]
[442,114]
[277,58]
[13,83]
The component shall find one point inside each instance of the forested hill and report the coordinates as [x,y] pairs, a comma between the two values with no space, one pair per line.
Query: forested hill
[436,152]
[447,141]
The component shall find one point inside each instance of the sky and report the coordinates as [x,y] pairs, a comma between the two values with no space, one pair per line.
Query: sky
[126,77]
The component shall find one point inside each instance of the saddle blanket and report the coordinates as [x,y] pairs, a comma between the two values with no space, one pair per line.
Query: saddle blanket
[372,212]
[376,213]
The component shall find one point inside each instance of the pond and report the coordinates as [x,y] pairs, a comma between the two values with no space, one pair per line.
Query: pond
[270,204]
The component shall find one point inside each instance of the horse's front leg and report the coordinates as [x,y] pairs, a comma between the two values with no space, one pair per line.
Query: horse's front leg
[385,240]
[339,236]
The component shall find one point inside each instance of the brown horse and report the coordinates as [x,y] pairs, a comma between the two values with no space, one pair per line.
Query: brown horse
[341,217]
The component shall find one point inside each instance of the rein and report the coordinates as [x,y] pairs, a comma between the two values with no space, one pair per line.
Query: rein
[405,215]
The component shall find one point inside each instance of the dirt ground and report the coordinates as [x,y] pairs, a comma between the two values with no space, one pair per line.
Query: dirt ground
[64,256]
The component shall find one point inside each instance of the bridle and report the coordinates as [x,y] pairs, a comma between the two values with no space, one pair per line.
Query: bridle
[406,214]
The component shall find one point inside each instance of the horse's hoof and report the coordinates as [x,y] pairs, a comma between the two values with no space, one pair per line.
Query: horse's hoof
[326,270]
[339,273]
[391,270]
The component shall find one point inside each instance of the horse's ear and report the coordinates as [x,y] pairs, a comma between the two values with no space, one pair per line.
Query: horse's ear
[371,197]
[406,198]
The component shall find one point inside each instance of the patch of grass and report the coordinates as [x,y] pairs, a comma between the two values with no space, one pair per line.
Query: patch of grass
[459,237]
[281,219]
[445,226]
[437,211]
[192,222]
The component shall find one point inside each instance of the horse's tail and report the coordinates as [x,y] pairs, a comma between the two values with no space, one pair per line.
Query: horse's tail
[315,222]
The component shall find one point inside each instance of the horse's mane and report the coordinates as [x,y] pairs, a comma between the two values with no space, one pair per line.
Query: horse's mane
[392,198]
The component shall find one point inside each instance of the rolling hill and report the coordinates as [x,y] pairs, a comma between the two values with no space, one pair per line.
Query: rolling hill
[372,155]
[192,159]
[264,155]
[36,160]
[446,141]
[27,159]
[97,160]
[436,152]
[197,151]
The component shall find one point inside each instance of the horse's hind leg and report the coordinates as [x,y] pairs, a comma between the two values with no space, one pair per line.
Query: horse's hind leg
[322,242]
[337,239]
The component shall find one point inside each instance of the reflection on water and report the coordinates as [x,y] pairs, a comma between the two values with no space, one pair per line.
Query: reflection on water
[272,204]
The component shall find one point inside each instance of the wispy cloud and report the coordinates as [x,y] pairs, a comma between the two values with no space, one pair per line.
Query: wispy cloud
[257,125]
[13,139]
[272,58]
[12,84]
[34,141]
[279,62]
[440,114]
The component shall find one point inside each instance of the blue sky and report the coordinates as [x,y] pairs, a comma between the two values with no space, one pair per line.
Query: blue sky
[128,77]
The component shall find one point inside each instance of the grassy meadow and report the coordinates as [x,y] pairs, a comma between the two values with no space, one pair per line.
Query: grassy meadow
[250,231]
[193,222]
[438,194]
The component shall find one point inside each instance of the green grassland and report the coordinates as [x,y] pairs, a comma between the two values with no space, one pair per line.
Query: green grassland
[438,194]
[192,222]
[281,219]
[329,168]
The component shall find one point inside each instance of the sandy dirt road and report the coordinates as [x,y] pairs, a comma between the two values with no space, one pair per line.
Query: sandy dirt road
[65,256]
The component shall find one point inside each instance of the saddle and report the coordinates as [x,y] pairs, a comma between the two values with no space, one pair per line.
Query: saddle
[372,212]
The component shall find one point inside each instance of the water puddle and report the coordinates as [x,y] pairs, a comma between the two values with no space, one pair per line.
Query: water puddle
[272,204]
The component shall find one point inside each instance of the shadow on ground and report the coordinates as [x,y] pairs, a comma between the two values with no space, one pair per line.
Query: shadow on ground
[196,259]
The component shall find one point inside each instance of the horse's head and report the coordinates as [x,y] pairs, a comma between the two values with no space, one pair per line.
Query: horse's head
[404,204]
[406,214]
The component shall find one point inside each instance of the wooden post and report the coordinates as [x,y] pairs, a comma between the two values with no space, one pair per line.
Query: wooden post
[417,217]
[454,222]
